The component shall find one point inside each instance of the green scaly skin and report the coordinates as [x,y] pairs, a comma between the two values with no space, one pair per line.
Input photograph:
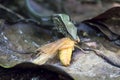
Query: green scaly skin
[61,22]
[44,20]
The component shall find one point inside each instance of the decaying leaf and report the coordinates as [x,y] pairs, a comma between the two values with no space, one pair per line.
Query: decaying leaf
[33,72]
[107,22]
[65,53]
[47,51]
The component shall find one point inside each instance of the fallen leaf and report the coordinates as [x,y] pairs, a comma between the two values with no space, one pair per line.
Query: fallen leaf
[65,52]
[47,51]
[107,23]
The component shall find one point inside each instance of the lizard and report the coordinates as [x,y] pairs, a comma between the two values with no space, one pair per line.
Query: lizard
[64,25]
[61,22]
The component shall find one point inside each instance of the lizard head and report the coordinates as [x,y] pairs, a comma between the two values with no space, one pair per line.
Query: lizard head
[65,26]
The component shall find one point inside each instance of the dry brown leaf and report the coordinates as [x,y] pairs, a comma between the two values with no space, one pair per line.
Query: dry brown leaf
[47,51]
[65,56]
[65,52]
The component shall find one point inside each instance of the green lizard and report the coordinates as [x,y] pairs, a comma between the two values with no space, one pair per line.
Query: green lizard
[61,22]
[63,25]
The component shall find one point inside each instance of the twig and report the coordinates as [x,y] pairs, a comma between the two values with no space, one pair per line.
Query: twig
[80,48]
[10,11]
[100,54]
